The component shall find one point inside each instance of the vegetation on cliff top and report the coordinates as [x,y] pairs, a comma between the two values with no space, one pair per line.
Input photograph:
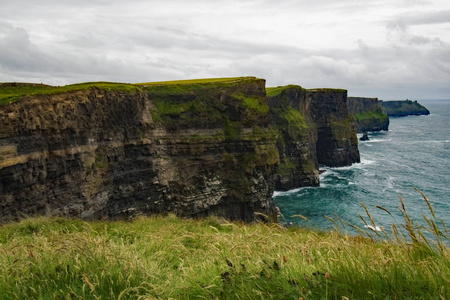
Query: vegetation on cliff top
[197,81]
[368,116]
[274,91]
[403,108]
[173,258]
[12,91]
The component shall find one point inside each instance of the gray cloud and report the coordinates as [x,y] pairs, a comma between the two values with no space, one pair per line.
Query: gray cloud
[375,48]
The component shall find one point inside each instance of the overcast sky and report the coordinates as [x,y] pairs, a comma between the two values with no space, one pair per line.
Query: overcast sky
[390,49]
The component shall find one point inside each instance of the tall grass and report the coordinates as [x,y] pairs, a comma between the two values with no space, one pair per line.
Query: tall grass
[173,258]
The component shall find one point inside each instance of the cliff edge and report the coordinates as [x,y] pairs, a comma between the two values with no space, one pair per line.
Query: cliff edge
[404,108]
[109,151]
[315,128]
[368,114]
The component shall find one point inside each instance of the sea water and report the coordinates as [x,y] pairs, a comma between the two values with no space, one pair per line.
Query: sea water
[414,153]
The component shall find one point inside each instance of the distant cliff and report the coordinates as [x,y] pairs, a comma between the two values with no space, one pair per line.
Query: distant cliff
[404,108]
[368,114]
[109,151]
[315,128]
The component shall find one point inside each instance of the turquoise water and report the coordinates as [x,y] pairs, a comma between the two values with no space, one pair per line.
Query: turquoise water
[415,152]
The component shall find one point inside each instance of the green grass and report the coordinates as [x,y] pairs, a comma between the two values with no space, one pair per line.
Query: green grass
[327,90]
[371,115]
[286,167]
[292,117]
[256,104]
[196,81]
[274,91]
[173,258]
[12,92]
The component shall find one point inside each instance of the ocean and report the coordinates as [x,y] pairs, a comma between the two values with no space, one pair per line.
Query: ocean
[414,153]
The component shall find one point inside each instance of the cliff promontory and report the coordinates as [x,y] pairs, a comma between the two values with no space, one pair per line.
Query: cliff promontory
[368,114]
[315,128]
[193,148]
[404,108]
[109,151]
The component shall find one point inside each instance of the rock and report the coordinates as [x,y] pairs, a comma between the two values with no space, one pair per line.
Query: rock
[337,143]
[368,114]
[364,137]
[108,152]
[315,128]
[404,108]
[291,115]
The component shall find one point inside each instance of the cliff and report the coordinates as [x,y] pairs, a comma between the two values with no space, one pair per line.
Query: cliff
[109,151]
[368,114]
[291,115]
[404,108]
[315,128]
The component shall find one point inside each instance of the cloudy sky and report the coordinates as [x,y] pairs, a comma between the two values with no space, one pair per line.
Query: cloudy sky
[391,49]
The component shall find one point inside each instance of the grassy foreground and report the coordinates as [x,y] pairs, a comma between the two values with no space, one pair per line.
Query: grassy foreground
[173,258]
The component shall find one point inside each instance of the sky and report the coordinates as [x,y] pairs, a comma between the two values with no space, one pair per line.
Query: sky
[390,49]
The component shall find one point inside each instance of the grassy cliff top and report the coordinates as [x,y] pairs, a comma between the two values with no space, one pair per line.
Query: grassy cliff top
[327,90]
[198,81]
[274,91]
[11,92]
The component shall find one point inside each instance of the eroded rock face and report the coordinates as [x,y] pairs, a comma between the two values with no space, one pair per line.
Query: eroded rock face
[315,128]
[368,114]
[193,150]
[337,143]
[291,115]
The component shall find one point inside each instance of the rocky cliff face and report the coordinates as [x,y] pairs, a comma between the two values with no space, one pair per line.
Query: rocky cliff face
[290,112]
[368,114]
[315,128]
[192,149]
[337,143]
[404,108]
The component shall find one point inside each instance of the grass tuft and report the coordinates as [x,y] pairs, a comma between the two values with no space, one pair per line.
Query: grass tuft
[173,258]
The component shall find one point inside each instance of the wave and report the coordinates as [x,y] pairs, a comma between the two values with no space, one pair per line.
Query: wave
[285,193]
[353,166]
[378,140]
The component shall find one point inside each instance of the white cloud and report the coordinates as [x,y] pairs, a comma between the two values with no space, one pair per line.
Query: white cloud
[388,49]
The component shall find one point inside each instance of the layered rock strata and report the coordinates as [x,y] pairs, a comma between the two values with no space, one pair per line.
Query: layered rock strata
[368,114]
[290,112]
[315,128]
[337,143]
[108,152]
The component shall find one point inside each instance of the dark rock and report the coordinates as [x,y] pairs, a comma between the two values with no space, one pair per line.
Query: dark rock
[315,128]
[404,108]
[364,137]
[291,115]
[191,149]
[337,143]
[368,114]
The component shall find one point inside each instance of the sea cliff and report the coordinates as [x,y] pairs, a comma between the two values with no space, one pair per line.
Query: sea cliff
[368,114]
[109,151]
[315,128]
[193,148]
[404,108]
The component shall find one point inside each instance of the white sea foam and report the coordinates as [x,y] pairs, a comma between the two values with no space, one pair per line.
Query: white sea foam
[378,140]
[366,161]
[285,193]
